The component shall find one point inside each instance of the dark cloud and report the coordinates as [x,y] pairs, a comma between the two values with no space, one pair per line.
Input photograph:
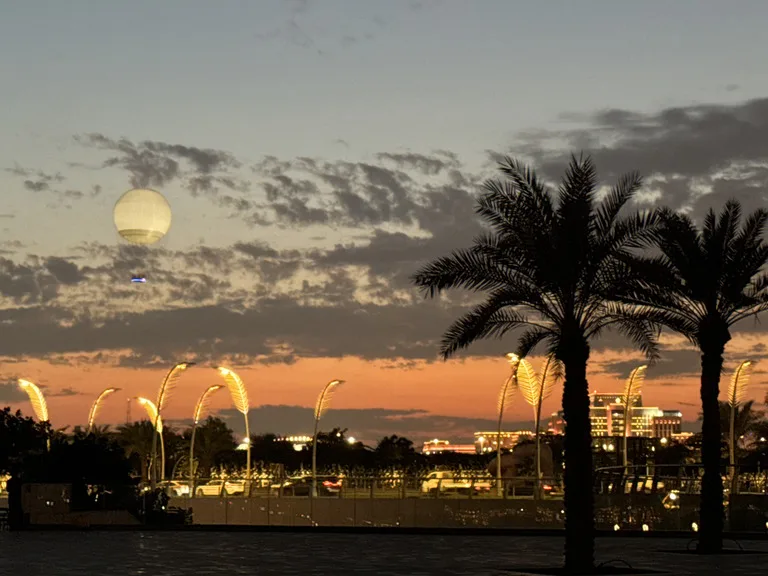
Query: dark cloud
[696,156]
[36,180]
[310,191]
[290,325]
[64,271]
[671,363]
[63,392]
[9,390]
[156,164]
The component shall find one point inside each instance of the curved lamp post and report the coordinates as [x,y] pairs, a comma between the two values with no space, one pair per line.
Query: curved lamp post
[162,397]
[536,388]
[39,405]
[239,394]
[736,392]
[631,390]
[505,397]
[323,401]
[200,407]
[154,417]
[96,405]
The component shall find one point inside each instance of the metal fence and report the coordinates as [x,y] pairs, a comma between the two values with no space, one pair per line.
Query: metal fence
[434,485]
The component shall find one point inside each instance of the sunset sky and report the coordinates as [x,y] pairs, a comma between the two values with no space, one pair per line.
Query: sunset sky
[315,153]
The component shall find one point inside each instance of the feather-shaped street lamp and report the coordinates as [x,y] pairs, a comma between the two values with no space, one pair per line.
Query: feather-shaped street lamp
[505,398]
[97,405]
[157,424]
[321,407]
[535,388]
[37,400]
[239,394]
[169,382]
[632,389]
[199,414]
[736,393]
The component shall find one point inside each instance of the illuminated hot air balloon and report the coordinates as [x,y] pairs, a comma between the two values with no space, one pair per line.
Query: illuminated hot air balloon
[142,216]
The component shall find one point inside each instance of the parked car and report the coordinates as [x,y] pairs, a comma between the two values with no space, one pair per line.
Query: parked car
[221,488]
[447,481]
[302,486]
[175,488]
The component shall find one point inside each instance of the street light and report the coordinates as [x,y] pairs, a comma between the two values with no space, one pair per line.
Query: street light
[323,401]
[505,397]
[157,429]
[200,407]
[239,394]
[162,397]
[39,405]
[96,405]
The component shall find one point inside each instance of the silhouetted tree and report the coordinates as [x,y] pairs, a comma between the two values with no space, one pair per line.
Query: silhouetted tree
[551,265]
[136,440]
[699,283]
[214,445]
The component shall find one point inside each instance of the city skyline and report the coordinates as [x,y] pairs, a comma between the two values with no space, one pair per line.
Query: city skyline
[314,157]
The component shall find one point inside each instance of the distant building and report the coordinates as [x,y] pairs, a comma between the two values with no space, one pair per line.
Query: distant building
[487,441]
[437,446]
[606,414]
[669,424]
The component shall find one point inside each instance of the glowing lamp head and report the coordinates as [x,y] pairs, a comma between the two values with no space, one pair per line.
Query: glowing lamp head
[512,358]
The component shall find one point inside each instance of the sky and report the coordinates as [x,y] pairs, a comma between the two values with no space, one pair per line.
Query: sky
[315,154]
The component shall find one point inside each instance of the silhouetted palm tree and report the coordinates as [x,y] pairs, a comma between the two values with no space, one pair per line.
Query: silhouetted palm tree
[700,284]
[214,439]
[748,418]
[136,440]
[550,265]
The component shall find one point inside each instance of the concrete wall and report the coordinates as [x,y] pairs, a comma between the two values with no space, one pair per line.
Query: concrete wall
[629,513]
[416,512]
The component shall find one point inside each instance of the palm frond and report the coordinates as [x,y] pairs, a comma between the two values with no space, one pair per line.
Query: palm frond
[202,403]
[36,398]
[737,389]
[169,382]
[490,319]
[97,404]
[632,388]
[324,399]
[151,408]
[237,389]
[617,198]
[530,338]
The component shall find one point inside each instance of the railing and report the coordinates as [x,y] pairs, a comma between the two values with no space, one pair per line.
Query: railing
[669,478]
[356,487]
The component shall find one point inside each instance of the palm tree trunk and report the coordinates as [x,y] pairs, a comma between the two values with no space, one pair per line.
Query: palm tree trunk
[579,499]
[711,514]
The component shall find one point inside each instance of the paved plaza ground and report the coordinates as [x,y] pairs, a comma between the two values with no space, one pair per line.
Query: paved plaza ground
[233,553]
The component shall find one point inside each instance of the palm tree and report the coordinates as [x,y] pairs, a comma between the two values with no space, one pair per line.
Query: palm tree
[699,284]
[136,440]
[214,440]
[550,266]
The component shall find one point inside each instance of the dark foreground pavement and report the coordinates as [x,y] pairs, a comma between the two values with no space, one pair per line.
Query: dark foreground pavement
[213,553]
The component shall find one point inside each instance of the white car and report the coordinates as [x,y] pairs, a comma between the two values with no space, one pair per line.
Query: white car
[175,488]
[445,481]
[221,488]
